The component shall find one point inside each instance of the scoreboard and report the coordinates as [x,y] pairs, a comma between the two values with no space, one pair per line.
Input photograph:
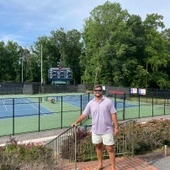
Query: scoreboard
[59,74]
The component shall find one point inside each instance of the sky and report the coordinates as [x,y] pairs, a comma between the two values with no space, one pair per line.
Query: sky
[23,21]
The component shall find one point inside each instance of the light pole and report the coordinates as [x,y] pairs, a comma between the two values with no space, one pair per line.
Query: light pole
[22,70]
[22,64]
[41,66]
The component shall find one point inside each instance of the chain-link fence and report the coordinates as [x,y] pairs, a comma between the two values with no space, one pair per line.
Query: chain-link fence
[37,88]
[31,114]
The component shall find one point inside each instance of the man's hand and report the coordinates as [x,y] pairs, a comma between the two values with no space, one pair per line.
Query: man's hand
[116,130]
[82,117]
[74,124]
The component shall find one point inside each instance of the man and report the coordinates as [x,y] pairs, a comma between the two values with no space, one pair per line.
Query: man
[104,124]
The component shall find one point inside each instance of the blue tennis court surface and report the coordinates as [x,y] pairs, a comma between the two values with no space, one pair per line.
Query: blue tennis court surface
[76,101]
[20,108]
[120,105]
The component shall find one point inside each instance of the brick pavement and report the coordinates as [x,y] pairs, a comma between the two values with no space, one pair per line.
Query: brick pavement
[122,163]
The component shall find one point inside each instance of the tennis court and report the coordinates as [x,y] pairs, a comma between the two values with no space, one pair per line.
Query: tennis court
[30,106]
[76,101]
[20,107]
[30,114]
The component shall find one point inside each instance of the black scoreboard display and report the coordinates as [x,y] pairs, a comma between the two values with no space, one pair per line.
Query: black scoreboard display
[62,74]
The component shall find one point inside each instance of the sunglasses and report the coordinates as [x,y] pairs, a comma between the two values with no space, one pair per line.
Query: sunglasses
[98,90]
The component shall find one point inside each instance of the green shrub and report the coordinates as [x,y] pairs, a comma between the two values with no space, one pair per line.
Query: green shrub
[147,137]
[69,143]
[15,156]
[35,156]
[151,135]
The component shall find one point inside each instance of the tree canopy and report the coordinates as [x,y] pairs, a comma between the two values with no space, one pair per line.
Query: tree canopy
[114,48]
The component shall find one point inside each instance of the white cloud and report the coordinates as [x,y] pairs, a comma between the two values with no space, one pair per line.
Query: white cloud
[10,37]
[25,20]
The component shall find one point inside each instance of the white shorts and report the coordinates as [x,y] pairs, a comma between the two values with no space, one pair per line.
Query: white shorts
[106,139]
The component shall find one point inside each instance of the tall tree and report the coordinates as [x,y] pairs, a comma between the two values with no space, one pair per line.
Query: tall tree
[69,45]
[156,57]
[166,36]
[62,48]
[102,35]
[46,54]
[10,56]
[73,52]
[123,50]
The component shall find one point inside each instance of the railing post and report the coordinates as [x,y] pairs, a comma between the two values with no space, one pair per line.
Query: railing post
[75,148]
[133,147]
[55,149]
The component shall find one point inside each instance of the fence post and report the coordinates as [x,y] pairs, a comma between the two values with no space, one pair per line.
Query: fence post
[39,128]
[81,106]
[124,105]
[165,106]
[61,112]
[152,107]
[88,97]
[13,117]
[139,105]
[115,101]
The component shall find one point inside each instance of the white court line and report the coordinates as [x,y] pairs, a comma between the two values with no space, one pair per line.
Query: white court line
[33,106]
[3,101]
[37,108]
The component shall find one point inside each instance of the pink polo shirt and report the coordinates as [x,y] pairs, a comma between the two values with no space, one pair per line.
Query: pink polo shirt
[101,115]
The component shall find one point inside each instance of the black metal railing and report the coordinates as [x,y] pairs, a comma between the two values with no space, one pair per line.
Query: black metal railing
[70,148]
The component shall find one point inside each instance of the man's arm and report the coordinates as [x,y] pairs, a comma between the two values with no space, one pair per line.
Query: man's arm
[81,118]
[115,122]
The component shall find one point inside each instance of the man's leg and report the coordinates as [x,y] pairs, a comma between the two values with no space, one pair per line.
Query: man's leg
[99,152]
[110,150]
